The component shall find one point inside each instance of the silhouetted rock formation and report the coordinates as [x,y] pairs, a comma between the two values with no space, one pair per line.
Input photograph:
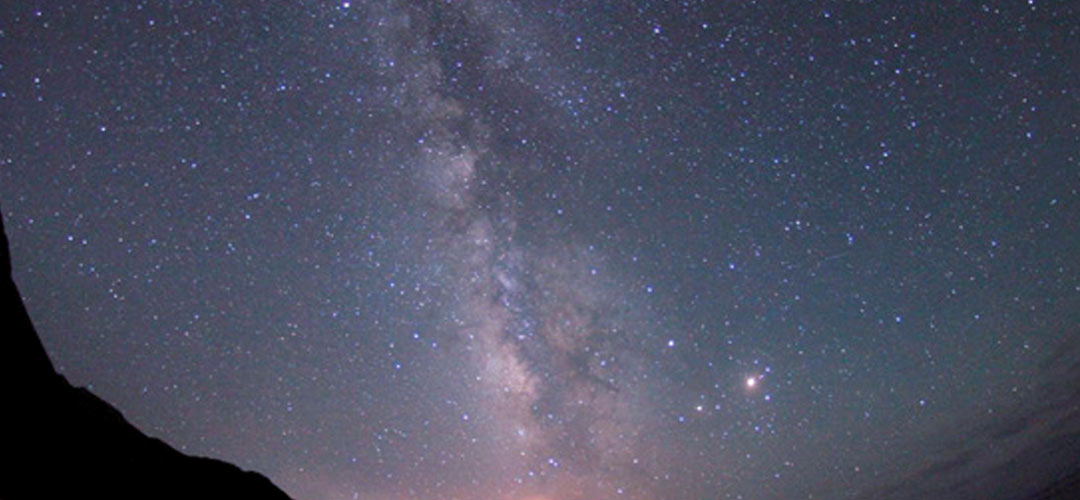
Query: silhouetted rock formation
[61,441]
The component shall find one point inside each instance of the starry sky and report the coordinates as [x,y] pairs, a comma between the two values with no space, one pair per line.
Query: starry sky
[561,250]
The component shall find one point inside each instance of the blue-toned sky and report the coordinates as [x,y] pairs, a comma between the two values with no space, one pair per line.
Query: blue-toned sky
[561,250]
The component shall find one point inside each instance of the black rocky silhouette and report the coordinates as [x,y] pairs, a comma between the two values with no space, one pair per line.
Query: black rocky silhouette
[61,441]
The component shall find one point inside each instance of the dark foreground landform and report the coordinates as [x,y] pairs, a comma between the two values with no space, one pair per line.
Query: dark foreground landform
[62,441]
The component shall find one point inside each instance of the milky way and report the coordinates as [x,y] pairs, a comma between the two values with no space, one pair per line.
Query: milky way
[539,330]
[554,251]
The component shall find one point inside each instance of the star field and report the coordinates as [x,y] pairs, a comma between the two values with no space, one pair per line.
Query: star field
[556,250]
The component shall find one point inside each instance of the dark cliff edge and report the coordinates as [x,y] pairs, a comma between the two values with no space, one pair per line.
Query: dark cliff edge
[61,441]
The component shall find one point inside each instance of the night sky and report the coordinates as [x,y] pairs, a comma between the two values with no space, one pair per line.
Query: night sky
[561,250]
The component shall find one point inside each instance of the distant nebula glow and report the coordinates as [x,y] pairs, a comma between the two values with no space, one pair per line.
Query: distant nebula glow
[547,251]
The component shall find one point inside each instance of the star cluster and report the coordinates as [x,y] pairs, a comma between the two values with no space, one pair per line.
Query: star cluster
[556,251]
